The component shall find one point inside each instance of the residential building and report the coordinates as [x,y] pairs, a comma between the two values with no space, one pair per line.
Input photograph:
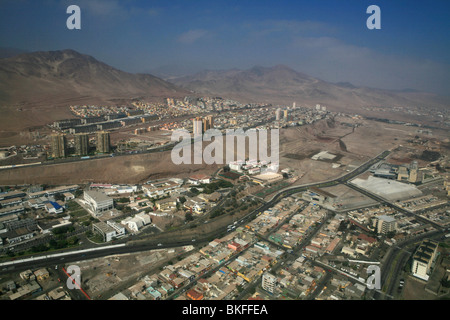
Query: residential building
[268,282]
[197,128]
[208,123]
[103,142]
[59,146]
[81,142]
[423,259]
[26,290]
[42,274]
[166,204]
[414,174]
[193,294]
[385,224]
[199,179]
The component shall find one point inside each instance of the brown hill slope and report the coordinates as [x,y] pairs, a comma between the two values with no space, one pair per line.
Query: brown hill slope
[282,85]
[54,77]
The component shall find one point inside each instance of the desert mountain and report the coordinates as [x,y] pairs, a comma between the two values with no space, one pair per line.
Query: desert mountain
[283,85]
[62,76]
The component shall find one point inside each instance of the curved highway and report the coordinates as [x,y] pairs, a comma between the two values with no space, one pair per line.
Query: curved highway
[177,240]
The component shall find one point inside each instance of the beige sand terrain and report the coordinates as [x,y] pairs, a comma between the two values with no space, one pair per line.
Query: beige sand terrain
[297,146]
[126,169]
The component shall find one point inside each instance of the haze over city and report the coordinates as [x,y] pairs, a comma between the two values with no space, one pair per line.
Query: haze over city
[328,40]
[254,155]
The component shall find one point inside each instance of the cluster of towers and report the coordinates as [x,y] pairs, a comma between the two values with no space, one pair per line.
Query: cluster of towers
[81,144]
[200,125]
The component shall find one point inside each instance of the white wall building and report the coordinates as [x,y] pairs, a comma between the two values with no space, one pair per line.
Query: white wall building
[120,231]
[137,222]
[98,202]
[268,282]
[108,232]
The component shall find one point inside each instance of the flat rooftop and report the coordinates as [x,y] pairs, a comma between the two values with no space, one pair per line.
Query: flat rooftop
[98,196]
[388,189]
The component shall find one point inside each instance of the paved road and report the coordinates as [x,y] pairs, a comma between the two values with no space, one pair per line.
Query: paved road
[393,205]
[399,254]
[176,238]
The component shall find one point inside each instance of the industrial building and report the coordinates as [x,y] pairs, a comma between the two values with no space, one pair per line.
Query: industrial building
[389,189]
[137,222]
[109,125]
[90,128]
[92,120]
[108,231]
[98,202]
[67,123]
[318,196]
[268,178]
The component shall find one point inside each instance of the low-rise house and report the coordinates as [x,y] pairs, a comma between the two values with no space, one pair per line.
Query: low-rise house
[166,204]
[68,196]
[155,294]
[42,274]
[53,207]
[349,251]
[20,234]
[37,203]
[195,295]
[199,179]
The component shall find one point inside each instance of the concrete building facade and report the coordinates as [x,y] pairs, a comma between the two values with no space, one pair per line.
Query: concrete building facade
[98,202]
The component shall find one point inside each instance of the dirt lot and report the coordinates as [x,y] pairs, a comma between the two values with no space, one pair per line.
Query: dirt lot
[110,275]
[127,169]
[297,145]
[349,198]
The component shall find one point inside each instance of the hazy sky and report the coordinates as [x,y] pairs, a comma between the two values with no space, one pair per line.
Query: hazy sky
[327,39]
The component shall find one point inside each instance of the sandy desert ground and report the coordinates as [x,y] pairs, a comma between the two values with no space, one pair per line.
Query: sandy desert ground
[297,146]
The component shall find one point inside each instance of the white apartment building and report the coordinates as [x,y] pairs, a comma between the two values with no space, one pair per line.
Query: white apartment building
[423,259]
[386,224]
[268,282]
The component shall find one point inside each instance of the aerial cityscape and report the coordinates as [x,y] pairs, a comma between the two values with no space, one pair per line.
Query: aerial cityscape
[200,172]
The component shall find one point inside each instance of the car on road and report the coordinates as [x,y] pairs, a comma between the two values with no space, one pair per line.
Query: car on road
[159,244]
